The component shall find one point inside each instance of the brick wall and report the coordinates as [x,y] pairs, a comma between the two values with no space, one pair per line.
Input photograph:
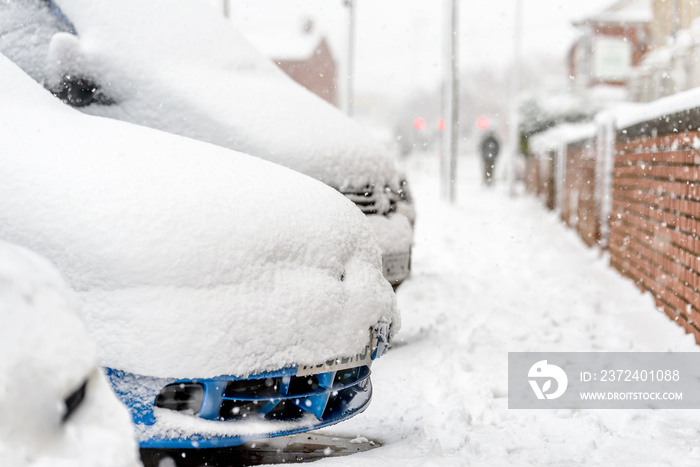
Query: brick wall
[579,209]
[539,174]
[655,218]
[636,191]
[547,180]
[532,175]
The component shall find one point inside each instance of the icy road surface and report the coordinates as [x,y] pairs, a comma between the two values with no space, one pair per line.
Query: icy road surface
[493,275]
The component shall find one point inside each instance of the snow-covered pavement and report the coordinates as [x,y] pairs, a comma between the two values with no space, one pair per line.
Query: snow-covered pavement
[493,275]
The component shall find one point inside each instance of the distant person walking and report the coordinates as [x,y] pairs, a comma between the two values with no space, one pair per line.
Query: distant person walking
[489,153]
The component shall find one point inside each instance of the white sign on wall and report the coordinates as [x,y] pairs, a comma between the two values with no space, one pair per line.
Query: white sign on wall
[612,58]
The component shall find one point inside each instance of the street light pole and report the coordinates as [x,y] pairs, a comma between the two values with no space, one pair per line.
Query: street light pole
[450,101]
[514,89]
[351,56]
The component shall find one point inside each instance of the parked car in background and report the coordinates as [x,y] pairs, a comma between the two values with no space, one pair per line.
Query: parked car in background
[56,407]
[179,67]
[230,298]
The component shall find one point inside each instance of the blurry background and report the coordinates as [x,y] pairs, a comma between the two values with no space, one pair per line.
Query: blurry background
[398,55]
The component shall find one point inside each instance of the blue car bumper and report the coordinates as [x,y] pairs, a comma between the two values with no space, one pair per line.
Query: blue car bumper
[228,411]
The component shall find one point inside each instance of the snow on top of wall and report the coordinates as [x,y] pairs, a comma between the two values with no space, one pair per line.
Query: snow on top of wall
[45,355]
[190,260]
[559,135]
[614,113]
[182,68]
[631,115]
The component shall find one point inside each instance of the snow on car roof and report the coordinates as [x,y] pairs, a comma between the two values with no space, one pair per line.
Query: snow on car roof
[45,354]
[182,68]
[191,260]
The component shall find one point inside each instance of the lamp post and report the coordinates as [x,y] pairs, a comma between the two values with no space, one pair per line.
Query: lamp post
[514,89]
[350,4]
[450,101]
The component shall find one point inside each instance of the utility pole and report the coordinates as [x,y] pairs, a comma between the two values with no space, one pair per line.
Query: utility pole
[350,4]
[450,101]
[227,8]
[514,89]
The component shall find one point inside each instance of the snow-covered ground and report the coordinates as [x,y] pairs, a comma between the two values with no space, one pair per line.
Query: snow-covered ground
[493,275]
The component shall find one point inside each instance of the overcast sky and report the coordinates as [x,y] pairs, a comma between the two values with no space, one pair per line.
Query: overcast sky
[399,41]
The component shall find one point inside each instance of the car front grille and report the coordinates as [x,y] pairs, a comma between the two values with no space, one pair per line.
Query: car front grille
[290,397]
[285,397]
[371,200]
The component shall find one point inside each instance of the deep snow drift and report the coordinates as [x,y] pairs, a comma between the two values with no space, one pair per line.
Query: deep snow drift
[493,275]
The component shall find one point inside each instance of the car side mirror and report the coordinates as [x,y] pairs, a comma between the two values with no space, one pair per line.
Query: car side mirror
[80,92]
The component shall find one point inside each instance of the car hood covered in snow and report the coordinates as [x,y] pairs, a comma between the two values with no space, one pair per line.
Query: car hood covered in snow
[45,356]
[182,68]
[190,260]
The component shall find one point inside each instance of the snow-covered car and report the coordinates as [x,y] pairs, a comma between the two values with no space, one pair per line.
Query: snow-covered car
[179,67]
[231,298]
[56,407]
